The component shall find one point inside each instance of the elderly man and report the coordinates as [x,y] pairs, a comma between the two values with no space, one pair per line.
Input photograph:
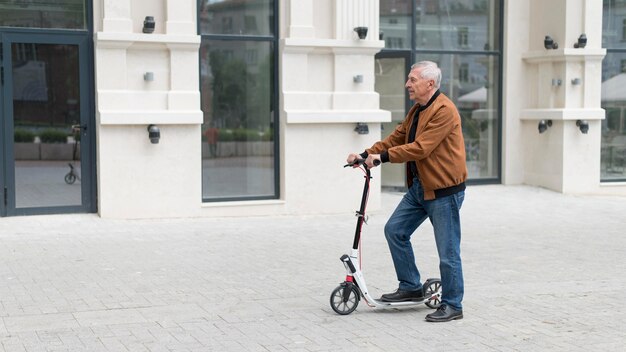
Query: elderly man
[430,142]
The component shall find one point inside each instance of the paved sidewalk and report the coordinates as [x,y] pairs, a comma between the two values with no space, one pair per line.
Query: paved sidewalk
[544,272]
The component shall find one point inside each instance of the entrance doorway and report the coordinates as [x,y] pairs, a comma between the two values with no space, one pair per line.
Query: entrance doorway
[45,147]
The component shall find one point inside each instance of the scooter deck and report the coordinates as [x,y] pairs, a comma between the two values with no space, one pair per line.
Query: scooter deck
[398,304]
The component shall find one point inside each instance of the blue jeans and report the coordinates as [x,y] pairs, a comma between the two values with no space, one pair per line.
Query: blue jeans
[444,216]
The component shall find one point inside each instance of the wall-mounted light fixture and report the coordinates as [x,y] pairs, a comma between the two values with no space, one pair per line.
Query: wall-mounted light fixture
[576,81]
[148,24]
[361,32]
[357,79]
[549,43]
[154,133]
[361,128]
[148,76]
[583,126]
[582,41]
[543,125]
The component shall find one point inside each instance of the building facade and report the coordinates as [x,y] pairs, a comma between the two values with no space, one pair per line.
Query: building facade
[163,108]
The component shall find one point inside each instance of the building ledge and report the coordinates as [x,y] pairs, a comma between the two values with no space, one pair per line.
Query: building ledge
[146,117]
[124,40]
[239,203]
[566,54]
[298,45]
[337,116]
[562,114]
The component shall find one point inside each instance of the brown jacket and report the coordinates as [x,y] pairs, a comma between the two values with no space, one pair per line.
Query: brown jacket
[438,149]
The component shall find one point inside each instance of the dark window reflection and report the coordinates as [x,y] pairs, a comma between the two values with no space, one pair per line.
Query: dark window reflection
[238,129]
[457,25]
[614,24]
[471,81]
[46,96]
[395,24]
[236,17]
[613,143]
[613,150]
[63,14]
[237,87]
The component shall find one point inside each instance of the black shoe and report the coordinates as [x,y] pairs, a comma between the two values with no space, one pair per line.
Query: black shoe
[444,313]
[403,296]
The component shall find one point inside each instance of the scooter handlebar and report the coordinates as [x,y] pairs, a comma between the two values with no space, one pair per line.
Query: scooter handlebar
[362,162]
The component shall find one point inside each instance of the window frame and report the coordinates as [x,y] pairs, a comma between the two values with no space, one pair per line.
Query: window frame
[414,52]
[274,41]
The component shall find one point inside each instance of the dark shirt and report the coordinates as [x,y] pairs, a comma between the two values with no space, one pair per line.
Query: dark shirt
[413,130]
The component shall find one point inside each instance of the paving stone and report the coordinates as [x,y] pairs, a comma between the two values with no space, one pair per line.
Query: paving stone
[543,272]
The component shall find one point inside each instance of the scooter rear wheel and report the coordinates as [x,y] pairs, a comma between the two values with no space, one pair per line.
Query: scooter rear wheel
[432,293]
[345,298]
[70,178]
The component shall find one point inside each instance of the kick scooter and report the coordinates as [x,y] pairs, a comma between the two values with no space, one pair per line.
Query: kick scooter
[345,298]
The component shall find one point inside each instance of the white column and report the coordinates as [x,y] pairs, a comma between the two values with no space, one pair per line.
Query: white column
[181,17]
[356,13]
[117,16]
[301,19]
[562,158]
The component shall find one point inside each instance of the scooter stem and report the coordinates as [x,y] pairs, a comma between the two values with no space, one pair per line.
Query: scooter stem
[361,212]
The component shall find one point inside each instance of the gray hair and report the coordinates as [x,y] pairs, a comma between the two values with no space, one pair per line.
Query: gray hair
[430,70]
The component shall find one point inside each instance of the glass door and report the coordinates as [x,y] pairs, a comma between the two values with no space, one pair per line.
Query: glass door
[391,70]
[45,144]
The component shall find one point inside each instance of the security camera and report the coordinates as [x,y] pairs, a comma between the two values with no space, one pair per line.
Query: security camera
[361,32]
[543,125]
[583,125]
[154,133]
[549,43]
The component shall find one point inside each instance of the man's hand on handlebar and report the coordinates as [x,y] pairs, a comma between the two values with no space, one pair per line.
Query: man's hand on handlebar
[352,159]
[372,160]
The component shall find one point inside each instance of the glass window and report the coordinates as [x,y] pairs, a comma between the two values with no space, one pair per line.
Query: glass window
[237,85]
[241,17]
[395,24]
[46,106]
[238,130]
[457,24]
[63,14]
[613,144]
[477,101]
[463,37]
[613,24]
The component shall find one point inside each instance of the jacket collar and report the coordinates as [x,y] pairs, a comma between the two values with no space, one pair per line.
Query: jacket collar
[422,108]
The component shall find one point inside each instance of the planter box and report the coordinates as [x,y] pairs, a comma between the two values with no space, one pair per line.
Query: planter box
[26,151]
[229,149]
[58,151]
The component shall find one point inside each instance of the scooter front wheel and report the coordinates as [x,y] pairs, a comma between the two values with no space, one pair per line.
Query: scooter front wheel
[345,298]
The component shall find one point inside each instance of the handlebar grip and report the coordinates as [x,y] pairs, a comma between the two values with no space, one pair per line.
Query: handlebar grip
[362,162]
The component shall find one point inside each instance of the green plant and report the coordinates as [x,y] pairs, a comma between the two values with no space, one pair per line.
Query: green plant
[53,136]
[225,136]
[23,136]
[244,135]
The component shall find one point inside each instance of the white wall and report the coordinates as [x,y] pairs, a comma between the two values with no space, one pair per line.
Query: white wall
[319,56]
[137,179]
[562,159]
